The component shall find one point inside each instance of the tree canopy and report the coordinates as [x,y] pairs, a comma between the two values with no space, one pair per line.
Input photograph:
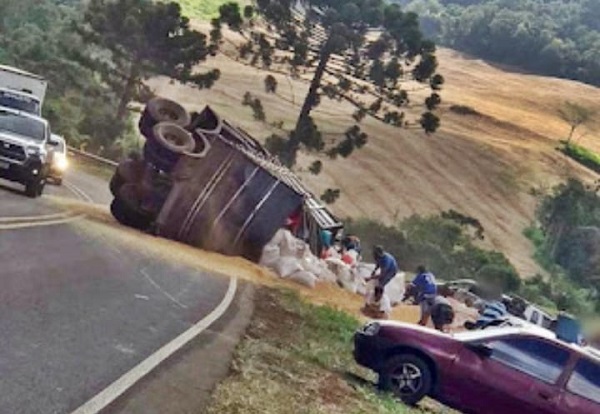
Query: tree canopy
[550,37]
[363,45]
[137,39]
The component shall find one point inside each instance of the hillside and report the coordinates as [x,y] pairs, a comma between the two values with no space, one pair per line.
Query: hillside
[484,166]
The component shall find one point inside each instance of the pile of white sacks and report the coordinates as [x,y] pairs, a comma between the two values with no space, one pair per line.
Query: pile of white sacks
[291,258]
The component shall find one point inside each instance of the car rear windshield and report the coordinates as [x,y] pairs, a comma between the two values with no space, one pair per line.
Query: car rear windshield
[19,102]
[585,380]
[22,125]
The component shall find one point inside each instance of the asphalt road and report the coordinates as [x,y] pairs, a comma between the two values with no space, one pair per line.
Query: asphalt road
[78,312]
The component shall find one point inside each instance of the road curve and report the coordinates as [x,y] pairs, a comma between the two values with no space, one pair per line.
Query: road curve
[79,311]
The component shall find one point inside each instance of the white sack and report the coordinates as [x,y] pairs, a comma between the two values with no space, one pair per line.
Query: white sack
[304,278]
[270,256]
[287,265]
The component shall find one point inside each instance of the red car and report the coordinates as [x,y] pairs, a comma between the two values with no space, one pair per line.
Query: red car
[493,371]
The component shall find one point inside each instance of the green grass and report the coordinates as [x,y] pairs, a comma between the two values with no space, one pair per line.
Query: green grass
[297,358]
[583,156]
[204,9]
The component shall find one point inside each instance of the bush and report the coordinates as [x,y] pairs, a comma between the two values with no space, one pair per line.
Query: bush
[270,84]
[583,156]
[442,245]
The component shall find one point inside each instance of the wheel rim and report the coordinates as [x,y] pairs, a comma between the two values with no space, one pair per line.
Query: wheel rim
[407,380]
[167,114]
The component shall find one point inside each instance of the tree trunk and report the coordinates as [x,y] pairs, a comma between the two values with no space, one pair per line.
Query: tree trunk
[293,144]
[571,135]
[127,92]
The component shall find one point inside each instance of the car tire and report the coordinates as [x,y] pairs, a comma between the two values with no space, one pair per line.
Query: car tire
[128,216]
[58,181]
[35,188]
[408,377]
[159,110]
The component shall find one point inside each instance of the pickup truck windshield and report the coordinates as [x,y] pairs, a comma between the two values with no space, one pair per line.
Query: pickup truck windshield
[21,125]
[19,102]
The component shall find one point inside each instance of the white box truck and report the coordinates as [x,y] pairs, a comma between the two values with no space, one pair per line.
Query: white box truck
[22,90]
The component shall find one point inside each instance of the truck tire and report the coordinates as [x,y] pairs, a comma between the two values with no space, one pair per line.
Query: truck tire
[169,143]
[128,171]
[35,188]
[127,207]
[159,110]
[129,217]
[115,183]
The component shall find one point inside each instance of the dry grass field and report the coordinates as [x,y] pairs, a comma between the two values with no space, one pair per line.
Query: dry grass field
[481,165]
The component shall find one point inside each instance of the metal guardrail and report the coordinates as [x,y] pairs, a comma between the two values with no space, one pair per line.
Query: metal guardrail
[92,157]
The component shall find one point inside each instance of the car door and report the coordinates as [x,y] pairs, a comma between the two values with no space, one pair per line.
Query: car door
[582,392]
[514,374]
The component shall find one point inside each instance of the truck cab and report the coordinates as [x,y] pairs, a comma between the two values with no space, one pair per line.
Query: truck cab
[20,101]
[21,90]
[26,149]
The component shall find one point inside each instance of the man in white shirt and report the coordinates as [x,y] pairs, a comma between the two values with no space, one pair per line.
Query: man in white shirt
[378,305]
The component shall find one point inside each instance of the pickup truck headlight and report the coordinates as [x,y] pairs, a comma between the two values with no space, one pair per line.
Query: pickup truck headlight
[371,329]
[60,162]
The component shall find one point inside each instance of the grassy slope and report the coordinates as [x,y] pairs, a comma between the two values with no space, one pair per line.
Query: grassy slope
[482,166]
[297,358]
[203,9]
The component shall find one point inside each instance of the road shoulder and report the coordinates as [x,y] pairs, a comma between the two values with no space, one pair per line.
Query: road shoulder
[184,382]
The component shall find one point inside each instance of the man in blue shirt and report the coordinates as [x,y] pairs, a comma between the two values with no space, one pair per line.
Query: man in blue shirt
[387,265]
[424,289]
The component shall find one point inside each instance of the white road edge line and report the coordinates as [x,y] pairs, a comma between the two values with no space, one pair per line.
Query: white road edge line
[164,292]
[117,388]
[14,226]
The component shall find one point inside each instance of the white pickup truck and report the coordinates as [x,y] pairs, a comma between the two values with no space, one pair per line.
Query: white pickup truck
[22,90]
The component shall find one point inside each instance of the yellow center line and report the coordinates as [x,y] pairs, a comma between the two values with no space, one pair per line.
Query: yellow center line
[14,226]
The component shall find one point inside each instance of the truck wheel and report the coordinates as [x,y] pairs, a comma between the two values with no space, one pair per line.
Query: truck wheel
[35,188]
[170,142]
[171,138]
[408,377]
[115,183]
[129,217]
[162,110]
[128,171]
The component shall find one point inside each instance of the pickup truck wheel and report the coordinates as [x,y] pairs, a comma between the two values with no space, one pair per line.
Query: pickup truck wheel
[408,377]
[162,110]
[35,188]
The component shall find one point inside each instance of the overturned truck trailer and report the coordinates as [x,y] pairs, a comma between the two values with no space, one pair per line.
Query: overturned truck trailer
[207,183]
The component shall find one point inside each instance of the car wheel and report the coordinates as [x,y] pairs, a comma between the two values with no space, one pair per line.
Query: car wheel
[169,144]
[35,188]
[162,110]
[408,377]
[58,181]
